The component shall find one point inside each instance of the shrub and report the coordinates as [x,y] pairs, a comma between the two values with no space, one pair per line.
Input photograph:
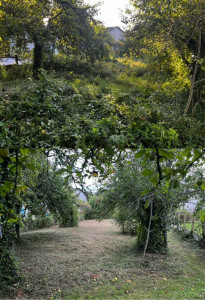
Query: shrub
[69,217]
[124,221]
[9,271]
[94,210]
[33,223]
[13,72]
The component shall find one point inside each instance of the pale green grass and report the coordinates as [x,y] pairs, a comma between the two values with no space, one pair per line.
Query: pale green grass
[95,261]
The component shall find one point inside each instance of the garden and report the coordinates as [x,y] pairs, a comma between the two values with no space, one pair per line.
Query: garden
[125,128]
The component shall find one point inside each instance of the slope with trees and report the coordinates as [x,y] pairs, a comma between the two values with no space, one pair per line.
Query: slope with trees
[113,106]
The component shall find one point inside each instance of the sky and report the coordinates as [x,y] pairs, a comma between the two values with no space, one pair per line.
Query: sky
[110,11]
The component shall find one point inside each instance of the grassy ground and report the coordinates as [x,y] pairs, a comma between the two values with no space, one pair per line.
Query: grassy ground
[197,227]
[95,261]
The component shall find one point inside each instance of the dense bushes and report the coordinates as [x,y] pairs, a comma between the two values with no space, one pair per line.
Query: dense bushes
[49,194]
[32,223]
[124,220]
[15,72]
[9,271]
[93,211]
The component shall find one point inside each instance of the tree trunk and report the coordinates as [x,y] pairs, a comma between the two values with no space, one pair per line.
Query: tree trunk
[148,229]
[37,57]
[157,239]
[203,234]
[192,224]
[17,226]
[193,80]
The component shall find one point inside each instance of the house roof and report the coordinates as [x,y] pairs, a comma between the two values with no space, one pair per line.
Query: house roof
[115,27]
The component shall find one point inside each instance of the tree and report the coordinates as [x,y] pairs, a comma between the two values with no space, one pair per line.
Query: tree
[27,180]
[144,193]
[50,195]
[51,25]
[178,24]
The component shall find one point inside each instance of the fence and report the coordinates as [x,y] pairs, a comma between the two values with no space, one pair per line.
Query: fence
[190,224]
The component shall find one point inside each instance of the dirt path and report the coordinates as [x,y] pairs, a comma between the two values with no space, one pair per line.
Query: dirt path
[95,259]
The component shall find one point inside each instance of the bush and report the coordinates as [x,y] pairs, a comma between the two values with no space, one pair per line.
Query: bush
[93,211]
[68,218]
[13,72]
[33,223]
[9,271]
[124,221]
[62,63]
[84,209]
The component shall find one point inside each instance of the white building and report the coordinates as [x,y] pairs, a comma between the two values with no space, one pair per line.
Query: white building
[116,33]
[191,205]
[81,195]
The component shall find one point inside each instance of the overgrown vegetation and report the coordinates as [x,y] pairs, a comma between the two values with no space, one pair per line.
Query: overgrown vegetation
[73,94]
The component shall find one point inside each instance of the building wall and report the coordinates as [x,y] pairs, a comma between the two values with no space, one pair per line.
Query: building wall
[190,205]
[117,34]
[81,195]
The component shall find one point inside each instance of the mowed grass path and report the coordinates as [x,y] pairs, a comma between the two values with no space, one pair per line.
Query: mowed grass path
[96,261]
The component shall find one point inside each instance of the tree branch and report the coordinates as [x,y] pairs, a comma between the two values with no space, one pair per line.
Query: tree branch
[190,99]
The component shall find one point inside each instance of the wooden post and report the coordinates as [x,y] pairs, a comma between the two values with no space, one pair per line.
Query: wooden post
[184,220]
[192,224]
[203,233]
[179,216]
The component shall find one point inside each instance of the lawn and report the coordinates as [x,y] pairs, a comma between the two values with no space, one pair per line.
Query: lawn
[96,261]
[197,227]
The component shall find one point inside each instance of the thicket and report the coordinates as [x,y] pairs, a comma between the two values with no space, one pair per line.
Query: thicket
[31,222]
[92,212]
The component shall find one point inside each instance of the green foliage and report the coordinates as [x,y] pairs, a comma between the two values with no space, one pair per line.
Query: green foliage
[27,180]
[147,187]
[15,72]
[49,193]
[33,223]
[93,211]
[171,40]
[65,26]
[10,274]
[124,220]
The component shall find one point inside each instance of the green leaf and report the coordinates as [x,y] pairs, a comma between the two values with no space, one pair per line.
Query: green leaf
[154,180]
[110,151]
[166,154]
[140,154]
[203,186]
[61,171]
[31,166]
[79,174]
[98,165]
[147,172]
[24,152]
[147,203]
[3,194]
[1,160]
[144,193]
[10,166]
[174,183]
